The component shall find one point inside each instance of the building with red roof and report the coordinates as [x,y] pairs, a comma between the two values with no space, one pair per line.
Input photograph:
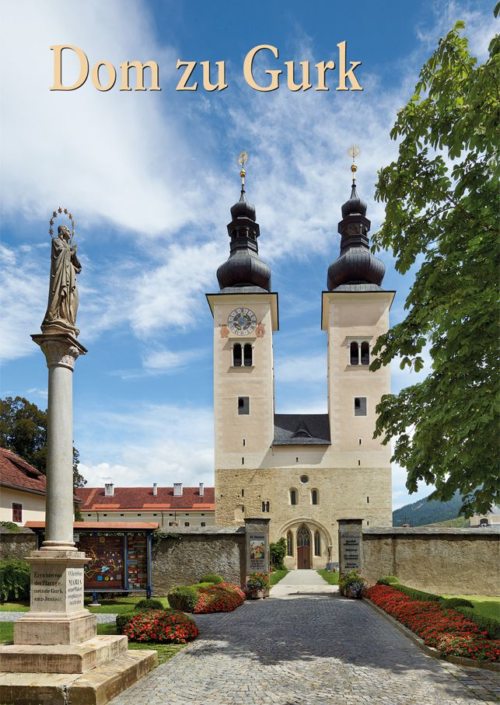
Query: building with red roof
[171,507]
[22,489]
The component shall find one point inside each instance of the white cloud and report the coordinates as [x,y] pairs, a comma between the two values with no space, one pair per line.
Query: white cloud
[146,444]
[301,368]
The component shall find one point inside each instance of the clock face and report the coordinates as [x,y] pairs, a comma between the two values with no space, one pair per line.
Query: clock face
[242,321]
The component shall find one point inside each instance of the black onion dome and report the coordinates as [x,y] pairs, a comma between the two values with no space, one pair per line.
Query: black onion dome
[244,268]
[356,268]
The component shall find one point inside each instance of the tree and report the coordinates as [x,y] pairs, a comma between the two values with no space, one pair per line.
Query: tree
[23,429]
[442,216]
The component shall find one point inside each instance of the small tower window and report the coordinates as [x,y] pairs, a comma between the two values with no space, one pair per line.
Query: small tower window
[314,497]
[293,496]
[365,353]
[243,405]
[265,506]
[354,353]
[359,406]
[317,543]
[289,543]
[248,355]
[237,355]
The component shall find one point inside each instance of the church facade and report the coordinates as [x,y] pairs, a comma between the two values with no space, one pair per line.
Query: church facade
[302,471]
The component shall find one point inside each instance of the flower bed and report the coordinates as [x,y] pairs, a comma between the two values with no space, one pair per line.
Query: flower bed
[449,631]
[203,598]
[163,626]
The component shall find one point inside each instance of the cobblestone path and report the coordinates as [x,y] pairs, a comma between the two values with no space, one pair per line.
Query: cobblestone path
[312,650]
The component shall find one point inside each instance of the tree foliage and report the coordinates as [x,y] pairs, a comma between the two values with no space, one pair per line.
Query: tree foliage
[23,429]
[442,212]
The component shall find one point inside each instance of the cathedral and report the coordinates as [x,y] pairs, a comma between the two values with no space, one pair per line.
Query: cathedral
[304,472]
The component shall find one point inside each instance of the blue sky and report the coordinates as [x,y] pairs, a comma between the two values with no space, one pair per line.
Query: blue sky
[150,178]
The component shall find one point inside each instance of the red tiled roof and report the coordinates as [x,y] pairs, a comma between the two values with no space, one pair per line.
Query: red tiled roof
[137,498]
[20,475]
[119,525]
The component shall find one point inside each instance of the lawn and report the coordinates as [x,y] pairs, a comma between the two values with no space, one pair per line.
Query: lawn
[331,577]
[14,607]
[165,651]
[485,605]
[276,576]
[118,605]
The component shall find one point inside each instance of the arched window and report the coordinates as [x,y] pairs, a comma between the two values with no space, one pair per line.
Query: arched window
[317,543]
[237,355]
[365,353]
[247,355]
[314,497]
[289,543]
[293,496]
[354,353]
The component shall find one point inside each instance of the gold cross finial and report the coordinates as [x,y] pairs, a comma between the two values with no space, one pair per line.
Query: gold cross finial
[242,161]
[354,151]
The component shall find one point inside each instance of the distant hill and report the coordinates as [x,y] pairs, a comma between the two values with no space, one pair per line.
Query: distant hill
[427,511]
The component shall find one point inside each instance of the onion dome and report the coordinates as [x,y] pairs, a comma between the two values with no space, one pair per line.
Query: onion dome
[356,269]
[244,269]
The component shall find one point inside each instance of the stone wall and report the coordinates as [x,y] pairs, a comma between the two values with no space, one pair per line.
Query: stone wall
[449,561]
[181,558]
[16,544]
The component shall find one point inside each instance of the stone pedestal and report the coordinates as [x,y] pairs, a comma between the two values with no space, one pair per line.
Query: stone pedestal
[350,545]
[57,658]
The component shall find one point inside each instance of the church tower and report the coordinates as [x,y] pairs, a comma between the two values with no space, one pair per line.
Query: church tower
[245,314]
[302,471]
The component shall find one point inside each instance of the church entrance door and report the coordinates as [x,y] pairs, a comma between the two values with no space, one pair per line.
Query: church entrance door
[303,547]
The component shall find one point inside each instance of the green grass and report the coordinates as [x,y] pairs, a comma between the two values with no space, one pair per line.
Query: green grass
[458,522]
[118,605]
[276,576]
[165,651]
[331,578]
[14,607]
[485,605]
[6,631]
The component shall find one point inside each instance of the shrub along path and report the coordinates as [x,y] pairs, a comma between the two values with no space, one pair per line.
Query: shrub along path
[314,649]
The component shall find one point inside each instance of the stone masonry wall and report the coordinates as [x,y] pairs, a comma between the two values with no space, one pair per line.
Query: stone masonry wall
[442,561]
[182,558]
[17,544]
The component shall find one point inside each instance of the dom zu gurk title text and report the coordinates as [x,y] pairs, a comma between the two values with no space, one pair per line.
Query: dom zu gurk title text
[210,75]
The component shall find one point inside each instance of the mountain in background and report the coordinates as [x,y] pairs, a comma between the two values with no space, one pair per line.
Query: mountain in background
[427,511]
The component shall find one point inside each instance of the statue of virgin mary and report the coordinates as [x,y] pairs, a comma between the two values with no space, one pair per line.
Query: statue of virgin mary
[63,293]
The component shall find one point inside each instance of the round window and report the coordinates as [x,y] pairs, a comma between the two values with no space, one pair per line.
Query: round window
[304,478]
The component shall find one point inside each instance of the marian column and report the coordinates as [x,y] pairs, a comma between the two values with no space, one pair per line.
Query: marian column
[57,615]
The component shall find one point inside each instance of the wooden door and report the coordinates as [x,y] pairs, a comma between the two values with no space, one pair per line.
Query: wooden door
[303,547]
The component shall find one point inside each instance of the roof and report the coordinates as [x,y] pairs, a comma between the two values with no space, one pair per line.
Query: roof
[20,475]
[301,429]
[103,525]
[137,498]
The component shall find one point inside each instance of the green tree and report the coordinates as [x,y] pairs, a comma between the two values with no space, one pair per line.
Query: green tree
[442,211]
[23,429]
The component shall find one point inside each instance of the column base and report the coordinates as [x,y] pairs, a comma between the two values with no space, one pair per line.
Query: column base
[94,687]
[51,628]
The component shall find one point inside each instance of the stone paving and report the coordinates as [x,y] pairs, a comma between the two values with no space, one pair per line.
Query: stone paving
[316,649]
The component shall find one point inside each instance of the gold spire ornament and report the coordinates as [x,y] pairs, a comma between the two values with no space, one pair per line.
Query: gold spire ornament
[242,161]
[354,151]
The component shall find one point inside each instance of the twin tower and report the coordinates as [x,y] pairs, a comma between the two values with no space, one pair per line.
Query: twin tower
[302,471]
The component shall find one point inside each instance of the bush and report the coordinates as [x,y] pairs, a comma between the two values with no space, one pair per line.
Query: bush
[148,604]
[258,581]
[161,626]
[452,602]
[211,578]
[14,580]
[388,580]
[219,599]
[234,588]
[277,552]
[121,622]
[488,624]
[351,584]
[416,594]
[183,598]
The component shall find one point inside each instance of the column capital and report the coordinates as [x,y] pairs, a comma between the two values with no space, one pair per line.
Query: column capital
[60,349]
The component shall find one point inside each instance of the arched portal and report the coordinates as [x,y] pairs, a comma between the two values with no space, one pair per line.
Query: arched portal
[303,547]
